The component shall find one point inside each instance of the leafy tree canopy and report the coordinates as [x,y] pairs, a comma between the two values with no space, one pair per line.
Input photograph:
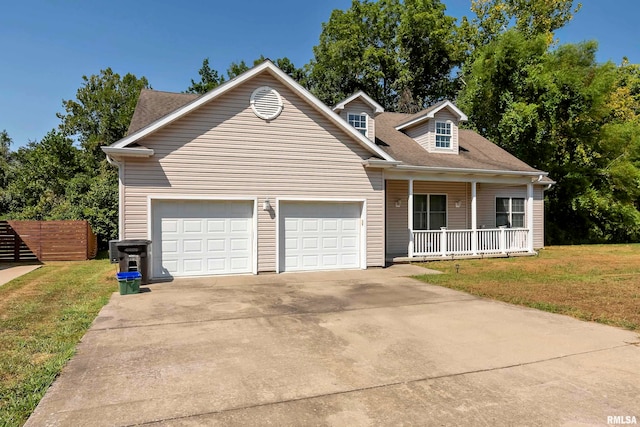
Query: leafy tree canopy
[388,49]
[561,111]
[529,17]
[102,110]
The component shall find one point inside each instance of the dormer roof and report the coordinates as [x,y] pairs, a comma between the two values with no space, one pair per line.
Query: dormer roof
[429,113]
[377,108]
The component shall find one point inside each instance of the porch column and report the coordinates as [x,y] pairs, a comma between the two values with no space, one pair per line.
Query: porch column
[410,218]
[474,219]
[530,215]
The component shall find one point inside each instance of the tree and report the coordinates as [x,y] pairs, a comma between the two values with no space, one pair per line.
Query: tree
[529,17]
[102,111]
[100,115]
[385,48]
[38,176]
[561,111]
[5,151]
[209,79]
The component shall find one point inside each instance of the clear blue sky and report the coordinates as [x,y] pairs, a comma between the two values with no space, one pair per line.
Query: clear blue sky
[47,46]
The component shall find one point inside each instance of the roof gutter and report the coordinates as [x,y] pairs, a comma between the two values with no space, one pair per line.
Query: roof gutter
[380,164]
[438,169]
[535,176]
[126,152]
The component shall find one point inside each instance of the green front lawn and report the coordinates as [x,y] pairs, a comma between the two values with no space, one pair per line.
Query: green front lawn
[43,315]
[598,283]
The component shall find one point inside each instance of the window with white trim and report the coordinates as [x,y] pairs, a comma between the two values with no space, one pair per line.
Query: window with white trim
[358,121]
[510,211]
[443,135]
[429,211]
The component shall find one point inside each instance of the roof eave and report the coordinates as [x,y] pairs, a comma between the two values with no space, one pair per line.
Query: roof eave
[377,108]
[431,114]
[536,176]
[127,152]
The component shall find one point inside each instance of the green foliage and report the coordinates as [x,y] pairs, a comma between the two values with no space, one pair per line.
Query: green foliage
[529,17]
[56,179]
[38,174]
[562,112]
[400,53]
[209,79]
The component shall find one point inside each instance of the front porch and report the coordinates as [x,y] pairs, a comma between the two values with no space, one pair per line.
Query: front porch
[436,220]
[432,245]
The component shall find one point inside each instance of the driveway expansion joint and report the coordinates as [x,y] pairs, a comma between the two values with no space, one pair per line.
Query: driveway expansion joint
[381,386]
[260,316]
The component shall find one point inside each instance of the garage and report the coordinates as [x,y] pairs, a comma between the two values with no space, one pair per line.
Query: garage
[320,236]
[202,237]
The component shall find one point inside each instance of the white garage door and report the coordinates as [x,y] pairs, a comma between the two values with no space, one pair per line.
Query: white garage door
[199,238]
[319,236]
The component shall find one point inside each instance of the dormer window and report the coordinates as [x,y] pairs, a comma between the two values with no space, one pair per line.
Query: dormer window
[443,135]
[358,121]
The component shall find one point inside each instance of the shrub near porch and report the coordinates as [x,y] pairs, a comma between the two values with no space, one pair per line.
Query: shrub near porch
[598,283]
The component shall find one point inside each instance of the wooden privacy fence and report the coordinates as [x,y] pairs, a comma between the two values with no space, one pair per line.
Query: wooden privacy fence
[47,241]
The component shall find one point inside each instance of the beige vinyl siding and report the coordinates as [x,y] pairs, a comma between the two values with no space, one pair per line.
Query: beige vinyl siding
[397,233]
[397,230]
[224,150]
[421,133]
[357,106]
[487,194]
[425,133]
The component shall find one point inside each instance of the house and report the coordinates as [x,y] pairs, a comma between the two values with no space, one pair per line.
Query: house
[258,175]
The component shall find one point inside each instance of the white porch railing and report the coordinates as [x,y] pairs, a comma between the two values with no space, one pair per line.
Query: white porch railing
[460,242]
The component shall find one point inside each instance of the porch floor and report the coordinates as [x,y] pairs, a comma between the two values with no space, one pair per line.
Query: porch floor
[404,259]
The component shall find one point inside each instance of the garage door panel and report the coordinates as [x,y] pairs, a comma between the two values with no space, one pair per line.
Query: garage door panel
[349,243]
[191,246]
[310,225]
[309,243]
[216,226]
[239,244]
[169,226]
[310,262]
[196,238]
[216,245]
[330,225]
[238,226]
[170,246]
[192,265]
[192,226]
[320,235]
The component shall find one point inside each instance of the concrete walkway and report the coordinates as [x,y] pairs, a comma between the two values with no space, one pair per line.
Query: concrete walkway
[13,271]
[363,348]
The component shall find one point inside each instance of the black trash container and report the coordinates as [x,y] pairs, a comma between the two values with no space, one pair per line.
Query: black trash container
[133,256]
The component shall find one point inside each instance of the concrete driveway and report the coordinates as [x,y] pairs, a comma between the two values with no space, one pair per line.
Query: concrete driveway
[351,348]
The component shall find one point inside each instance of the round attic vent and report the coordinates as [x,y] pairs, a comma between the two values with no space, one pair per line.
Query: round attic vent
[266,103]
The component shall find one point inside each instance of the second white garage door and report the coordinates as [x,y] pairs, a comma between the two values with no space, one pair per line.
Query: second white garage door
[200,238]
[320,236]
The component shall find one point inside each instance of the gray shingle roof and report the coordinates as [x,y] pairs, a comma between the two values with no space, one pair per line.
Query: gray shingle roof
[153,105]
[476,152]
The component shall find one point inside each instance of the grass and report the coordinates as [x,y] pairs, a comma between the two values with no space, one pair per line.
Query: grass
[43,316]
[599,283]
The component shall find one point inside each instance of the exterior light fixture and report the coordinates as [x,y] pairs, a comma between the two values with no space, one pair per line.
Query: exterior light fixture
[266,206]
[398,203]
[458,203]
